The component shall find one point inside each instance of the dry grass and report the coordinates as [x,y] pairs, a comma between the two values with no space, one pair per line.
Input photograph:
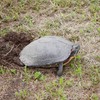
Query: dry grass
[76,20]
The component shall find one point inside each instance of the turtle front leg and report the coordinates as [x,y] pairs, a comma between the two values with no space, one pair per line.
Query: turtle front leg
[60,69]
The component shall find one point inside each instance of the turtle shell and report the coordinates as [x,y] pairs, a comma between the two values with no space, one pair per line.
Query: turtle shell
[45,51]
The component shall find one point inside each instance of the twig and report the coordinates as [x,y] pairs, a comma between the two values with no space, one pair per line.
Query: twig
[9,51]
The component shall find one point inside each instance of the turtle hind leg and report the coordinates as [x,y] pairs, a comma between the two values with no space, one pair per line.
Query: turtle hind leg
[60,69]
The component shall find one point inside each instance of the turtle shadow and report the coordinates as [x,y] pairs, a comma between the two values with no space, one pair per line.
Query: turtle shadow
[44,70]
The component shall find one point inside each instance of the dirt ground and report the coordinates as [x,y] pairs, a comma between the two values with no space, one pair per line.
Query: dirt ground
[23,21]
[11,45]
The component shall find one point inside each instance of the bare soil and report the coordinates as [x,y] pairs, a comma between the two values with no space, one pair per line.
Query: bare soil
[10,47]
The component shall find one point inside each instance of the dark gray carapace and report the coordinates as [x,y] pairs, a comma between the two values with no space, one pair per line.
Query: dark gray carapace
[48,50]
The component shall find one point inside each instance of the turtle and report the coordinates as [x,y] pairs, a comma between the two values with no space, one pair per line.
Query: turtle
[49,50]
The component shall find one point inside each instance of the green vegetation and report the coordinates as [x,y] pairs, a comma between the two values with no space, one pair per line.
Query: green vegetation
[76,20]
[13,71]
[94,97]
[56,89]
[95,75]
[26,74]
[38,76]
[2,70]
[22,94]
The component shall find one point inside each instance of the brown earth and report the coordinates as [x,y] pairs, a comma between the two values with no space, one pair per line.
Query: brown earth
[10,47]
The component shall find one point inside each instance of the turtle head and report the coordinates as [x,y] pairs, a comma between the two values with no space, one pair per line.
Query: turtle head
[75,49]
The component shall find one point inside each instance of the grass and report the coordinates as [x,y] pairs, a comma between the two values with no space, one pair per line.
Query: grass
[28,20]
[55,89]
[43,32]
[94,75]
[75,20]
[22,94]
[26,74]
[52,24]
[39,76]
[13,71]
[2,71]
[4,31]
[94,97]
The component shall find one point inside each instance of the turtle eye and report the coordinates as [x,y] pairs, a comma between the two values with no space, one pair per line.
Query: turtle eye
[76,47]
